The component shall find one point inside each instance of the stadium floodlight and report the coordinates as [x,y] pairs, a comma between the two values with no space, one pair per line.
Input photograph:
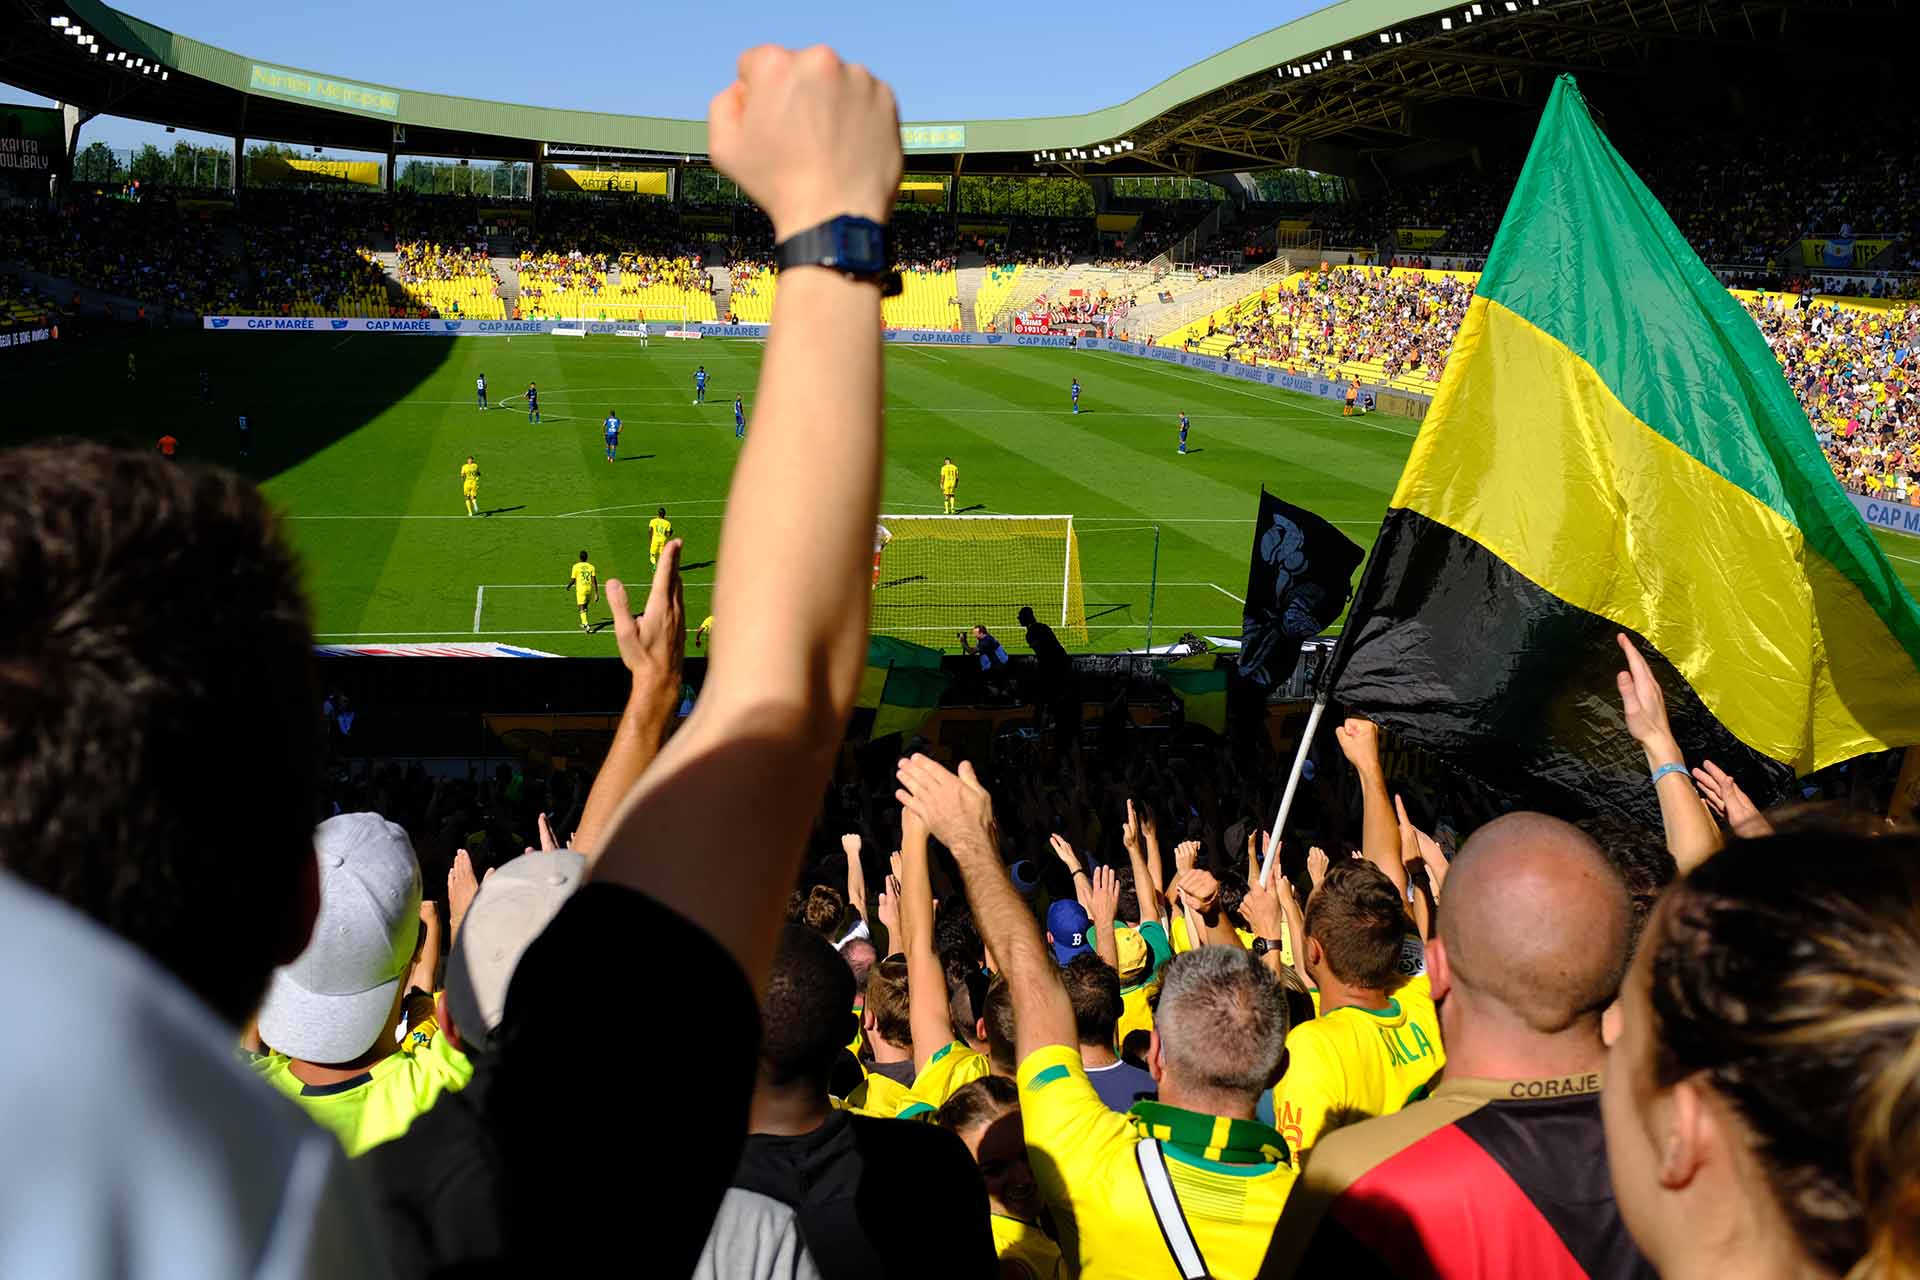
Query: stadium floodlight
[1512,7]
[166,75]
[1346,55]
[1446,24]
[1128,144]
[1399,38]
[1477,13]
[57,21]
[1385,38]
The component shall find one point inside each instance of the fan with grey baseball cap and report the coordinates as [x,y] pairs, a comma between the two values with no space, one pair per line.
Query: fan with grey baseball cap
[331,1018]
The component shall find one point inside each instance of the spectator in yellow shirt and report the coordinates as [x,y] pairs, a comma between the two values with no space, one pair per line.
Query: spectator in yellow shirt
[1190,1184]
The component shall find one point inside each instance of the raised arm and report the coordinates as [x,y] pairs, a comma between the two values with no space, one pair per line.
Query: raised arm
[929,1013]
[1359,741]
[1146,890]
[960,812]
[808,138]
[652,646]
[1692,834]
[851,845]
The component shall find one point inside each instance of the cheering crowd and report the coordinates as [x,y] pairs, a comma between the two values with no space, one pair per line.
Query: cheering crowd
[1070,1028]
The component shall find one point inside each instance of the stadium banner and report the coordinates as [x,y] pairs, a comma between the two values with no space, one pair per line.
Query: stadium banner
[463,650]
[933,137]
[28,335]
[1417,239]
[1842,251]
[1894,517]
[32,140]
[328,93]
[274,168]
[631,181]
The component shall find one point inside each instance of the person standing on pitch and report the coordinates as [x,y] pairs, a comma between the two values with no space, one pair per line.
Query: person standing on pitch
[480,390]
[612,427]
[1183,433]
[949,481]
[533,403]
[1076,395]
[700,385]
[739,419]
[470,485]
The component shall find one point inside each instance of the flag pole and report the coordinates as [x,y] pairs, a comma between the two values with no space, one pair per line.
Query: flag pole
[1293,784]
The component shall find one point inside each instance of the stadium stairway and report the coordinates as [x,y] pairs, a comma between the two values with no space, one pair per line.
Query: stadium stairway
[722,288]
[969,271]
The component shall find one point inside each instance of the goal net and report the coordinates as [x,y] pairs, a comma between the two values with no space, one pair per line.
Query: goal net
[941,574]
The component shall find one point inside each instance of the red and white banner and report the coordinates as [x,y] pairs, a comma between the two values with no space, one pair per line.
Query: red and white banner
[1022,324]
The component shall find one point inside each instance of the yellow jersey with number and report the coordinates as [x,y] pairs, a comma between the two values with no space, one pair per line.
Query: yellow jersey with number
[659,530]
[949,478]
[1024,1250]
[1354,1064]
[585,579]
[470,476]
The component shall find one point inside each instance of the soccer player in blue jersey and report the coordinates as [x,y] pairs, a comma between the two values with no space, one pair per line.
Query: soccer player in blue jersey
[739,419]
[1183,433]
[1076,395]
[612,426]
[480,389]
[533,403]
[700,385]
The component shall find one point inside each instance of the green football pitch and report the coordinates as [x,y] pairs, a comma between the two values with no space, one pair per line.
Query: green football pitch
[359,438]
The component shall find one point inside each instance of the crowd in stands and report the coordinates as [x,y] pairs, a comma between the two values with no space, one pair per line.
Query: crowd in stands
[1405,322]
[309,253]
[1069,1028]
[151,250]
[1857,375]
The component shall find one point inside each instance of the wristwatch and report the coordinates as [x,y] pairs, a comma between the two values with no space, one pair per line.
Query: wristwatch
[1264,946]
[858,248]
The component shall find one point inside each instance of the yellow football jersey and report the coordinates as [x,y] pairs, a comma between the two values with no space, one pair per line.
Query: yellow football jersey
[1025,1250]
[470,474]
[1231,1177]
[585,578]
[1353,1064]
[949,477]
[951,1066]
[660,529]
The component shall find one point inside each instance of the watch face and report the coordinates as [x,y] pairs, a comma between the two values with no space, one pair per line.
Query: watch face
[862,246]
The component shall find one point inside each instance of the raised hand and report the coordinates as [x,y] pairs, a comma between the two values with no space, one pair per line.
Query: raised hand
[1359,740]
[1199,890]
[1130,831]
[889,911]
[954,806]
[1728,801]
[1185,854]
[1103,898]
[1262,905]
[1316,865]
[462,888]
[653,644]
[1063,850]
[1645,706]
[808,137]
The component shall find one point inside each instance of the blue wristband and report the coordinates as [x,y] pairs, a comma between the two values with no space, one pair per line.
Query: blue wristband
[1667,768]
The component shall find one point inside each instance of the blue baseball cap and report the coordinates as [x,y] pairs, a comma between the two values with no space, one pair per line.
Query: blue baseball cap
[1069,924]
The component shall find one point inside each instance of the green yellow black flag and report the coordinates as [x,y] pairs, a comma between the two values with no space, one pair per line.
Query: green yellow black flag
[1613,448]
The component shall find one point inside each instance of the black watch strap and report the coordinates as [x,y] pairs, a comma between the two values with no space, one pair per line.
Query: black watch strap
[818,247]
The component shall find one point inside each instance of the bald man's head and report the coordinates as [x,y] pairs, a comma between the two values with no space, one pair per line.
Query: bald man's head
[1536,920]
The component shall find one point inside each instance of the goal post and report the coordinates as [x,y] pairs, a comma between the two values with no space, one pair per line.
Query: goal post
[939,575]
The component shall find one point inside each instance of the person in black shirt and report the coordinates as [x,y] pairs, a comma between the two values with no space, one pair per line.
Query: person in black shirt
[1054,686]
[874,1197]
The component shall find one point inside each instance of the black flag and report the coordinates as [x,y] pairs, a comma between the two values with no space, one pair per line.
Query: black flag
[1299,577]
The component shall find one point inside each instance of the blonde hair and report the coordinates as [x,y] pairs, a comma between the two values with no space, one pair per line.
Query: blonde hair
[1786,972]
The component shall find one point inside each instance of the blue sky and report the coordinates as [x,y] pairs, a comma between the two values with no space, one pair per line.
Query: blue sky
[945,61]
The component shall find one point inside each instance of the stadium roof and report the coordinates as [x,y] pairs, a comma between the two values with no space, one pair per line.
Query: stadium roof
[1357,77]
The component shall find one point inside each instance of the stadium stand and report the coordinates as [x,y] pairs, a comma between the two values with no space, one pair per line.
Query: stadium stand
[999,285]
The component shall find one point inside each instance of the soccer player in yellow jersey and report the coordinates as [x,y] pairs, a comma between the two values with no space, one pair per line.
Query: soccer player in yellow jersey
[949,481]
[1190,1184]
[659,529]
[986,1116]
[470,485]
[1376,1041]
[585,581]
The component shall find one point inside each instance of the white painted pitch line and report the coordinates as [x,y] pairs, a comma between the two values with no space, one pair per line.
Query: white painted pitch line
[1908,559]
[1228,594]
[479,603]
[930,354]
